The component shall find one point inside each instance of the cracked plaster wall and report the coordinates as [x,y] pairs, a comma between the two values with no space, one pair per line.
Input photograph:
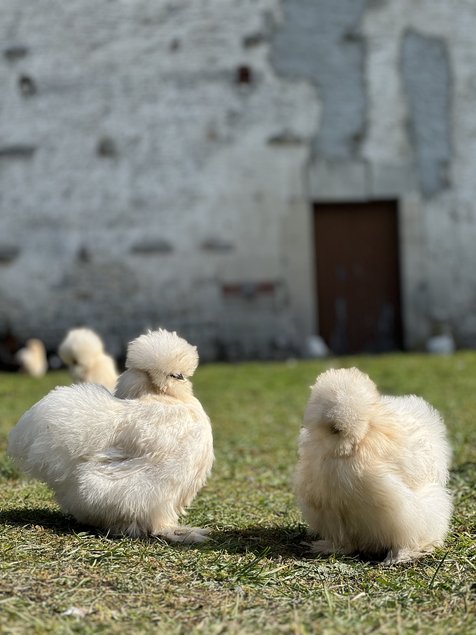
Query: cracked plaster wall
[428,124]
[319,40]
[396,81]
[150,157]
[158,161]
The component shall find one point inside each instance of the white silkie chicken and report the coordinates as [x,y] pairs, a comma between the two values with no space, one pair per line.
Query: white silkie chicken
[126,465]
[82,350]
[32,358]
[372,470]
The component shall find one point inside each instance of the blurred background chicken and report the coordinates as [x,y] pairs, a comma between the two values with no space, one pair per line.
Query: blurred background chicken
[83,353]
[32,358]
[128,466]
[372,470]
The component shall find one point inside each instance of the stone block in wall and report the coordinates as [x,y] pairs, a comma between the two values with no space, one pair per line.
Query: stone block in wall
[338,180]
[392,181]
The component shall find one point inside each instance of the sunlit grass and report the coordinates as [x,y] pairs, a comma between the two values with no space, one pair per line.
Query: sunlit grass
[255,574]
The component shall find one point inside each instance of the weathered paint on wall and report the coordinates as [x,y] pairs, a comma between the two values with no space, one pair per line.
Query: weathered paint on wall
[149,156]
[159,161]
[426,79]
[437,227]
[319,40]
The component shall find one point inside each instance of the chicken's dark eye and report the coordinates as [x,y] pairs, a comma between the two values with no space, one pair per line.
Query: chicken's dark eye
[178,376]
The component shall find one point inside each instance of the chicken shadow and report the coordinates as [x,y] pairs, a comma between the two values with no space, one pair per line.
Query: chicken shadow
[279,543]
[271,542]
[53,520]
[275,543]
[463,469]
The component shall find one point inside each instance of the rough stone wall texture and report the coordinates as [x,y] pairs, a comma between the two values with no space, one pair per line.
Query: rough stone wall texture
[319,40]
[427,86]
[148,155]
[158,160]
[440,209]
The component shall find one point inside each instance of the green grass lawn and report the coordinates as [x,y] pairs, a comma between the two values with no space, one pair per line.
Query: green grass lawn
[254,575]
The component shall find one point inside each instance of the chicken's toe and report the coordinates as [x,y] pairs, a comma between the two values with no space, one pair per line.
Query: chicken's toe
[184,535]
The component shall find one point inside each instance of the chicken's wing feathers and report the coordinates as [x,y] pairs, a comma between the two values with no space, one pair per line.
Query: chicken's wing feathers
[73,424]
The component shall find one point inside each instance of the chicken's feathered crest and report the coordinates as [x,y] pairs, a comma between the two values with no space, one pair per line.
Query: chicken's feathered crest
[344,399]
[80,345]
[162,354]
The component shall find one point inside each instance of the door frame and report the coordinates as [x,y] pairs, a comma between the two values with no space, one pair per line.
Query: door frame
[359,202]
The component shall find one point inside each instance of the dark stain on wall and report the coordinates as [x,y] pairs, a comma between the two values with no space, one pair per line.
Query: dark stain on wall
[427,81]
[320,41]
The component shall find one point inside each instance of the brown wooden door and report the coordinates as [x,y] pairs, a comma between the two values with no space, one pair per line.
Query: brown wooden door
[358,282]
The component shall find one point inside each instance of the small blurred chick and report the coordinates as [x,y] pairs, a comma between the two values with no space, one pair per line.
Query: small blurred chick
[128,466]
[32,358]
[372,470]
[83,352]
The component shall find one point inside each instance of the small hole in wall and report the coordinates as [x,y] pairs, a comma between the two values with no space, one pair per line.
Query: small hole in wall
[106,148]
[15,52]
[27,86]
[244,75]
[83,254]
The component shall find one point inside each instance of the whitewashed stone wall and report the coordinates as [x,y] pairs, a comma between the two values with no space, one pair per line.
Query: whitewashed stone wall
[438,229]
[159,158]
[141,174]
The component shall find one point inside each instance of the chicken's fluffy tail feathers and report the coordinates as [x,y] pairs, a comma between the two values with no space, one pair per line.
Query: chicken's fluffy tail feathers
[343,400]
[49,436]
[31,432]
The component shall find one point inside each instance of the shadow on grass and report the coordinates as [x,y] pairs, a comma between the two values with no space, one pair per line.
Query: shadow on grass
[274,542]
[267,542]
[280,542]
[467,468]
[30,517]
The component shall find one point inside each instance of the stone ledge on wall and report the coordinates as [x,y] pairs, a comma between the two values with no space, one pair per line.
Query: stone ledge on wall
[392,180]
[338,180]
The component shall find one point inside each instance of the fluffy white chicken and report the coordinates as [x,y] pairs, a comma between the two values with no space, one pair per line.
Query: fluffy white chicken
[32,358]
[129,466]
[83,352]
[372,470]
